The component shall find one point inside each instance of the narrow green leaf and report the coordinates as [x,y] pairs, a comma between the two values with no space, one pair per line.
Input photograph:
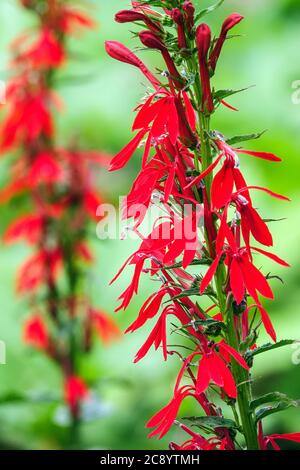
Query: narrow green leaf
[211,422]
[207,10]
[280,406]
[268,347]
[269,398]
[243,138]
[221,94]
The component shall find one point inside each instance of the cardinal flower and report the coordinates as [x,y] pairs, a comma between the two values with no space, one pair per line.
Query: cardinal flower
[105,326]
[45,53]
[228,24]
[203,39]
[164,419]
[198,442]
[75,391]
[213,368]
[35,333]
[265,441]
[28,227]
[119,52]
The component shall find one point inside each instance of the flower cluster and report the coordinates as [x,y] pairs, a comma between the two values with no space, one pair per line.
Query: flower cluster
[203,246]
[60,199]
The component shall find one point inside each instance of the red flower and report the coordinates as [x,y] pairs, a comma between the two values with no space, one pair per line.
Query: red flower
[28,227]
[106,328]
[265,440]
[37,269]
[128,16]
[35,333]
[151,40]
[228,24]
[117,51]
[164,419]
[27,120]
[197,442]
[75,391]
[45,53]
[44,170]
[70,19]
[212,368]
[203,38]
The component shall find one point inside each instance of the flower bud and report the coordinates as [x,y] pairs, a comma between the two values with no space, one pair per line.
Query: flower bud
[128,16]
[203,40]
[178,18]
[118,51]
[189,11]
[228,24]
[151,40]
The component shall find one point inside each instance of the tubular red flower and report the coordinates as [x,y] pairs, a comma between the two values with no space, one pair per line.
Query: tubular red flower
[152,41]
[35,333]
[178,18]
[189,11]
[203,40]
[228,24]
[119,52]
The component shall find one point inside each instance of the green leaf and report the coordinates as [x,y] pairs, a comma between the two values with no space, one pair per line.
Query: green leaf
[270,398]
[280,406]
[221,94]
[268,347]
[243,138]
[210,9]
[211,422]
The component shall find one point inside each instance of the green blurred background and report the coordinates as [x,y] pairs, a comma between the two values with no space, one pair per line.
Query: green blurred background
[99,96]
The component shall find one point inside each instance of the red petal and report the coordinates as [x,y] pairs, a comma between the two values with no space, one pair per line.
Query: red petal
[266,156]
[123,157]
[210,273]
[236,281]
[271,256]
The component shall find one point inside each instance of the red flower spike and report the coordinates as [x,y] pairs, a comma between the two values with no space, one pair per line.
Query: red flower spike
[187,165]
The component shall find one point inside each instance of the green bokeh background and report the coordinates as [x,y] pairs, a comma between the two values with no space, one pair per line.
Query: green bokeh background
[99,96]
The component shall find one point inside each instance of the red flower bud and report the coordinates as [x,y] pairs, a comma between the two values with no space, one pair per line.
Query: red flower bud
[150,40]
[203,39]
[228,24]
[117,51]
[178,18]
[127,16]
[189,10]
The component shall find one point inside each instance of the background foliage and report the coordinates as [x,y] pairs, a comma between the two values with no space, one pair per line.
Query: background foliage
[99,96]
